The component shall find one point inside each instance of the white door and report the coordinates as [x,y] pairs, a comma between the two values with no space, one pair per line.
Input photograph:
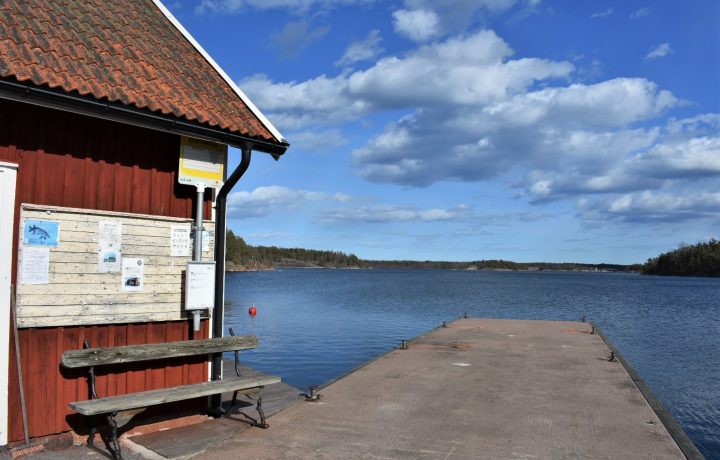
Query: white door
[8,174]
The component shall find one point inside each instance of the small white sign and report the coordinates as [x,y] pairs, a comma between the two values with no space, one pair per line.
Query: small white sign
[109,261]
[200,286]
[110,235]
[202,162]
[109,246]
[35,265]
[206,235]
[180,241]
[133,277]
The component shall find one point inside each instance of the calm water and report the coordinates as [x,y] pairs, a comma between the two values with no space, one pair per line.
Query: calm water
[316,325]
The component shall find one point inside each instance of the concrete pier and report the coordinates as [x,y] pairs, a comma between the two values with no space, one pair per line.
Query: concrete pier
[476,389]
[496,389]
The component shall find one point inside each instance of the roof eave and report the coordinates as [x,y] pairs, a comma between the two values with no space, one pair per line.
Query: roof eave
[28,93]
[270,127]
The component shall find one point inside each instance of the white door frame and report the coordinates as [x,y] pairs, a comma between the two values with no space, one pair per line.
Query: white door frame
[8,177]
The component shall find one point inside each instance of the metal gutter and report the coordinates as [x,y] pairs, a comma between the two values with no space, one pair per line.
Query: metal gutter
[220,225]
[221,72]
[28,93]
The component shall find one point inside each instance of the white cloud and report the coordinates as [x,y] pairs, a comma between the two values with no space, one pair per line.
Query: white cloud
[616,102]
[318,141]
[659,51]
[422,20]
[392,213]
[295,105]
[362,50]
[653,206]
[641,13]
[603,14]
[264,200]
[463,70]
[300,6]
[473,112]
[296,36]
[584,126]
[685,152]
[692,158]
[417,25]
[700,125]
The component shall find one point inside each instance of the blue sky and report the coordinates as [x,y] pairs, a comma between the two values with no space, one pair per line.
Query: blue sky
[527,130]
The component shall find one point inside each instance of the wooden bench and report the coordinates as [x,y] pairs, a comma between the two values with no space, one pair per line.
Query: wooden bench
[120,409]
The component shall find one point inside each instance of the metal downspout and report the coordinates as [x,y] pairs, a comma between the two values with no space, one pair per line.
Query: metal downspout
[219,307]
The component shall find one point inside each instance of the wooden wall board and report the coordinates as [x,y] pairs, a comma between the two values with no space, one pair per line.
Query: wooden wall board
[77,293]
[70,160]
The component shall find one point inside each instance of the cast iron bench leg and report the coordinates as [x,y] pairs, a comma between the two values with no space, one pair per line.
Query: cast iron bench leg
[228,413]
[115,450]
[93,432]
[263,423]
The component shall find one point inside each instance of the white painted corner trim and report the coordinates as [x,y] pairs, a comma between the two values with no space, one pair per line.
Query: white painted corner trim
[220,71]
[8,179]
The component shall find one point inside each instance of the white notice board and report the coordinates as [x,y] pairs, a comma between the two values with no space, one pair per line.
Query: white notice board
[200,286]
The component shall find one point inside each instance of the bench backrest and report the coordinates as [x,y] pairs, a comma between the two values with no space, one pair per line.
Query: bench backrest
[152,351]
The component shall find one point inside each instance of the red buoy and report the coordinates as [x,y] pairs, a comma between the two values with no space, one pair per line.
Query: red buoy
[252,311]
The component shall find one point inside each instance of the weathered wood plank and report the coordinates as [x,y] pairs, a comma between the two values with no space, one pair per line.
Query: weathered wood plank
[81,310]
[90,239]
[149,287]
[88,231]
[153,351]
[167,395]
[54,321]
[132,247]
[119,299]
[90,297]
[92,258]
[109,278]
[58,213]
[70,268]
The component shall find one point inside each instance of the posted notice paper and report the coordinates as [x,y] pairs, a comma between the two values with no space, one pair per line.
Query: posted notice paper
[180,241]
[35,265]
[133,277]
[109,246]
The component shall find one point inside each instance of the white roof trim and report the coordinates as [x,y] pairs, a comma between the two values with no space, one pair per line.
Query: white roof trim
[220,71]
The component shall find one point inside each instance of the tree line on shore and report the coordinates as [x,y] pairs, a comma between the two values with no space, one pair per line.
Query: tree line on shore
[242,256]
[701,259]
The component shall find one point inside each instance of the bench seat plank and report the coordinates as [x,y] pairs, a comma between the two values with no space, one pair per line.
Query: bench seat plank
[167,395]
[148,352]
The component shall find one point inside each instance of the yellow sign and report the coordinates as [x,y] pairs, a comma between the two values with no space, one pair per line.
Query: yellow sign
[202,163]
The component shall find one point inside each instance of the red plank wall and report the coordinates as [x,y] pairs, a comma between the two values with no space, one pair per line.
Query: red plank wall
[81,162]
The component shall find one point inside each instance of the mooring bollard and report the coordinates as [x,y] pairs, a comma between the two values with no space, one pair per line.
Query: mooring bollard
[313,394]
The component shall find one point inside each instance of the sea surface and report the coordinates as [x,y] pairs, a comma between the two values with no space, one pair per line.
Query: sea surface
[316,325]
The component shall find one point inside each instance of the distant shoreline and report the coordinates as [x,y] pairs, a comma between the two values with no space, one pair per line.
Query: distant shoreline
[249,269]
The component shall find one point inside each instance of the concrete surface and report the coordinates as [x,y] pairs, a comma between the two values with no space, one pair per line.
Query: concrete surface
[478,389]
[494,389]
[178,438]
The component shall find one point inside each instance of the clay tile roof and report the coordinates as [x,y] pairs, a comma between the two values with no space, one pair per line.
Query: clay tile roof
[124,51]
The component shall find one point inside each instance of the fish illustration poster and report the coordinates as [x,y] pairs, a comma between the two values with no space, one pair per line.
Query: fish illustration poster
[41,233]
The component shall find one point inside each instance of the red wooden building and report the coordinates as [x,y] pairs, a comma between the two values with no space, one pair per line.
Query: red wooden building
[95,96]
